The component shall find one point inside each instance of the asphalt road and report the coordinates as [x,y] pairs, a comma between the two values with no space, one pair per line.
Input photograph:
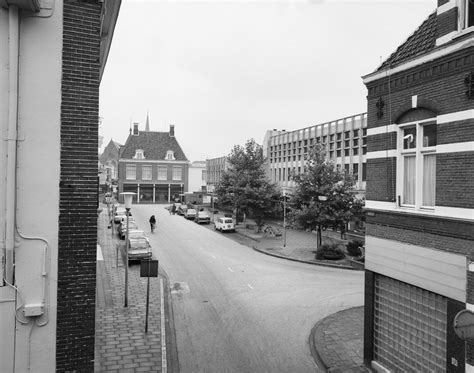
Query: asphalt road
[237,310]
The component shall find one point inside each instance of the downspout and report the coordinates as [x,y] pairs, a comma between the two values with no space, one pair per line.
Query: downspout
[10,196]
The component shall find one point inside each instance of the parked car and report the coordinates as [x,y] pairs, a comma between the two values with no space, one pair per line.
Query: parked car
[120,214]
[224,225]
[202,217]
[138,249]
[122,228]
[190,214]
[181,209]
[137,233]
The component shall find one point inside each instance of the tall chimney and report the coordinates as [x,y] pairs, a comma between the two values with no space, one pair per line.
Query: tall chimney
[171,130]
[135,129]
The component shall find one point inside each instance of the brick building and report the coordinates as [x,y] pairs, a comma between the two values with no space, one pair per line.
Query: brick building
[52,56]
[420,198]
[152,165]
[108,161]
[345,138]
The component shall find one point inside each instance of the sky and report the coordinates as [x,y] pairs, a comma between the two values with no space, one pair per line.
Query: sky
[223,72]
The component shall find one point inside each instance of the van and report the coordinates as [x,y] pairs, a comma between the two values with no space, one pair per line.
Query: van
[224,225]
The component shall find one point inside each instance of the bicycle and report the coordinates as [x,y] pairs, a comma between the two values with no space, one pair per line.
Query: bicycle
[152,226]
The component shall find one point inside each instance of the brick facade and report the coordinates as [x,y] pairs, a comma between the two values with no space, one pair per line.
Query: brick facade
[432,89]
[78,186]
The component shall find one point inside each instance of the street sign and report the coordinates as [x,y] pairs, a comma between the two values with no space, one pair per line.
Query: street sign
[149,268]
[464,324]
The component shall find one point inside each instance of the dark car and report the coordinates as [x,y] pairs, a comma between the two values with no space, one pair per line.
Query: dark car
[181,209]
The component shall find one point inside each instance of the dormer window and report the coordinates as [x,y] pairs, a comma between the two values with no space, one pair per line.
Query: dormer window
[170,155]
[139,154]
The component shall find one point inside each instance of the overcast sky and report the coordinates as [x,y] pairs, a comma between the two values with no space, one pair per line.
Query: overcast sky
[226,71]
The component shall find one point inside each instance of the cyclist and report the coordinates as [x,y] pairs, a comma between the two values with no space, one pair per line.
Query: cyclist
[152,223]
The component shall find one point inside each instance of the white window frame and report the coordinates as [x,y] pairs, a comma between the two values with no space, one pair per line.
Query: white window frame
[419,152]
[160,173]
[130,171]
[175,176]
[170,155]
[148,168]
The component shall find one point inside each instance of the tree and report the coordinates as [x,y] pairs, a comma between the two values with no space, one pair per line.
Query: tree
[324,196]
[245,186]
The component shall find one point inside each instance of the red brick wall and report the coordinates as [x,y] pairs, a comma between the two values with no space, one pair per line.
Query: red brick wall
[381,179]
[78,187]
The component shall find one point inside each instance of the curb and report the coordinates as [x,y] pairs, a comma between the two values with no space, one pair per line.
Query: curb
[305,261]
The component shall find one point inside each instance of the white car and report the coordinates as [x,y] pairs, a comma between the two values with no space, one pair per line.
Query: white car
[224,225]
[190,214]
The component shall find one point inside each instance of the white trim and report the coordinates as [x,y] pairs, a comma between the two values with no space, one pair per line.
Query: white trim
[471,267]
[438,53]
[414,101]
[445,7]
[469,368]
[455,147]
[446,38]
[392,153]
[382,129]
[438,211]
[470,307]
[457,116]
[378,367]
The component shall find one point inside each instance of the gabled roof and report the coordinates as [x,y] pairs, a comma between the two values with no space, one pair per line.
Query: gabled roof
[117,145]
[154,146]
[420,42]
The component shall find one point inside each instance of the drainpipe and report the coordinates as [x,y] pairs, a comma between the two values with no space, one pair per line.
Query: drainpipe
[10,206]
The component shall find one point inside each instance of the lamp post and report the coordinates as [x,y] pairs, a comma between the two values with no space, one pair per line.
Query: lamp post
[127,196]
[319,240]
[284,218]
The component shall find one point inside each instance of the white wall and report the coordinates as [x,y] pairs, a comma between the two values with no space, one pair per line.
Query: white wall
[196,181]
[38,154]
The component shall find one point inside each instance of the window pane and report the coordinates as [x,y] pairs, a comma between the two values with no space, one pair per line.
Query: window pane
[429,179]
[131,172]
[146,172]
[162,173]
[409,138]
[429,135]
[177,173]
[409,180]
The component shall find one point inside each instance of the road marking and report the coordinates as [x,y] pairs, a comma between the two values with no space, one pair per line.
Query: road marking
[99,253]
[230,269]
[164,363]
[250,286]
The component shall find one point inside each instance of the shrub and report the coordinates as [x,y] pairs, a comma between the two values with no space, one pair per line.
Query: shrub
[329,252]
[353,248]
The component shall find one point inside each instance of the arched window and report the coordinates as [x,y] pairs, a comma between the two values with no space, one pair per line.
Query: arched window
[417,140]
[170,155]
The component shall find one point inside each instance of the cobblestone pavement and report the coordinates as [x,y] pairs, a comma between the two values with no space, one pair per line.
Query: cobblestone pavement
[121,343]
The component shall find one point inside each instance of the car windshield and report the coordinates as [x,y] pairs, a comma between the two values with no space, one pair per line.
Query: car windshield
[136,234]
[227,220]
[138,243]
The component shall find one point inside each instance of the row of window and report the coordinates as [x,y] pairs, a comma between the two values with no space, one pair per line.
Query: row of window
[147,172]
[332,153]
[322,139]
[286,174]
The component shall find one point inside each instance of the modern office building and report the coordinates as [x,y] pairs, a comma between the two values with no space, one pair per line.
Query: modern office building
[419,253]
[215,167]
[345,138]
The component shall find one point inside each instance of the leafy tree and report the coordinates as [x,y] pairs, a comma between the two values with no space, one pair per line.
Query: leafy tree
[245,186]
[324,196]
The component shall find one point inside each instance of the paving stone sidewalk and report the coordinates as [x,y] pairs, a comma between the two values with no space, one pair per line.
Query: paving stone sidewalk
[121,342]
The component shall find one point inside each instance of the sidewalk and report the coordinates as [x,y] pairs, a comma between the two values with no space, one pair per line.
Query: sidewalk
[336,341]
[121,343]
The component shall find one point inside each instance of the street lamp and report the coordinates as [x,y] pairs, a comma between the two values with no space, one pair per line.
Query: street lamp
[284,218]
[319,239]
[127,196]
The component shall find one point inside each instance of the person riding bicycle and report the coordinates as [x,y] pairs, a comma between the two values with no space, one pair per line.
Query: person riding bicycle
[152,222]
